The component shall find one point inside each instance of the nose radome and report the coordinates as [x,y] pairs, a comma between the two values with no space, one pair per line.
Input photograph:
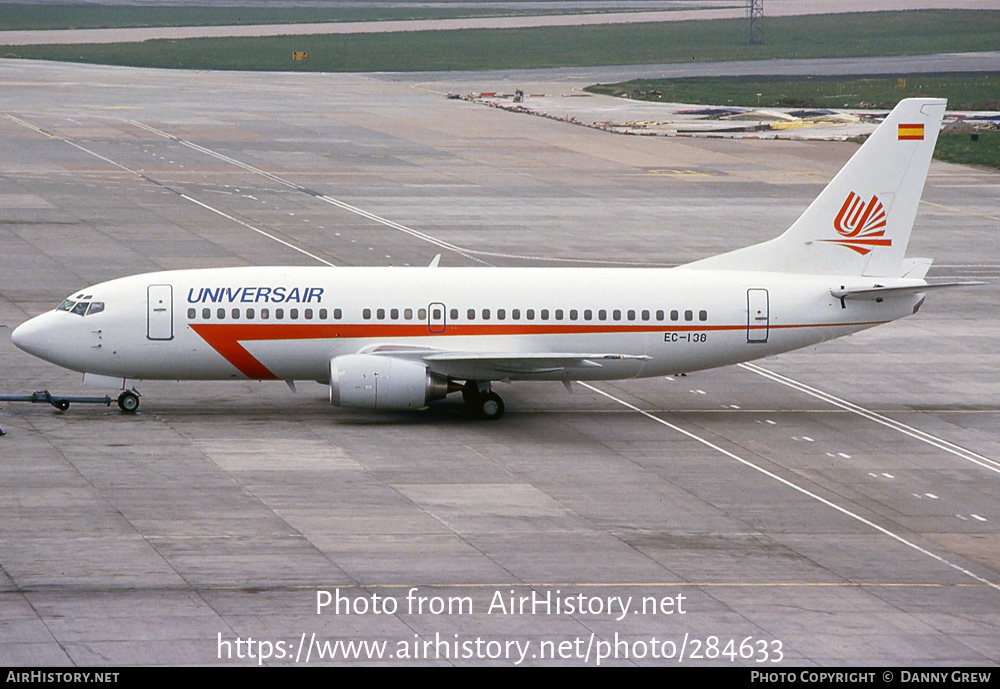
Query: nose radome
[31,336]
[20,337]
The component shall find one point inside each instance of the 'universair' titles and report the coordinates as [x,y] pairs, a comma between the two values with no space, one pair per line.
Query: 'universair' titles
[254,295]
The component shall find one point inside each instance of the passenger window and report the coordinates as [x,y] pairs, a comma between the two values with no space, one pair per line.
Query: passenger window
[530,314]
[206,313]
[221,314]
[265,314]
[453,315]
[631,314]
[545,314]
[688,316]
[573,314]
[422,314]
[559,314]
[674,315]
[380,314]
[338,314]
[602,315]
[236,314]
[279,313]
[703,315]
[471,314]
[323,314]
[293,314]
[516,314]
[309,314]
[486,314]
[645,314]
[501,314]
[659,314]
[588,314]
[617,315]
[192,313]
[250,313]
[394,314]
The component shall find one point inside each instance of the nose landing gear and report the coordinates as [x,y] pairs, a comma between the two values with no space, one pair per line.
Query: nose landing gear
[128,401]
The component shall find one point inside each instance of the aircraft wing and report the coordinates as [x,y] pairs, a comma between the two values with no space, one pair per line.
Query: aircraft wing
[500,365]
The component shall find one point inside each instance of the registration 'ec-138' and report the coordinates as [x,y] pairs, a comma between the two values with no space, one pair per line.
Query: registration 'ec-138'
[400,338]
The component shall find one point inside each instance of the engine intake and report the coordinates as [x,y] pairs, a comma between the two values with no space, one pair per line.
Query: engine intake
[369,381]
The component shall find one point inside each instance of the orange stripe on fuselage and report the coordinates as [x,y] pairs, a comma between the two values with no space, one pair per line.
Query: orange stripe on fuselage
[225,338]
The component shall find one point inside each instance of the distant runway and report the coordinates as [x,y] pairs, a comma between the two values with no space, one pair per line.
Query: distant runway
[835,506]
[728,10]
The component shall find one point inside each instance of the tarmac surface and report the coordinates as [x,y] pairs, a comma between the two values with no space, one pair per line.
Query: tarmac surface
[834,506]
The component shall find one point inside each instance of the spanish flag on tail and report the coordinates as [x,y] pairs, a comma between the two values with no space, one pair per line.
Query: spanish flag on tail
[911,132]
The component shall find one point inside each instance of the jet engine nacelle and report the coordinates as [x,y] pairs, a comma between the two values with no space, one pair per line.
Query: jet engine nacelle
[369,381]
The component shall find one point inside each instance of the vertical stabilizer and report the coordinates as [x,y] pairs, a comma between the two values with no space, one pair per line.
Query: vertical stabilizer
[860,224]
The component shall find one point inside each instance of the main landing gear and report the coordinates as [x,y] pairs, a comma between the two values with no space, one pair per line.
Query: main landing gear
[128,401]
[483,402]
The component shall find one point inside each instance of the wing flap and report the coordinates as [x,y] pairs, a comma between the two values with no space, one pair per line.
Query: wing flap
[501,365]
[508,363]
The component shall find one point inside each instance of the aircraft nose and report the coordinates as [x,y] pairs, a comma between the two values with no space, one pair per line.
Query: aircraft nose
[33,336]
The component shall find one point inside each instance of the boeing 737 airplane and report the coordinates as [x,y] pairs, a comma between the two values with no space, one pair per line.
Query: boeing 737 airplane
[399,338]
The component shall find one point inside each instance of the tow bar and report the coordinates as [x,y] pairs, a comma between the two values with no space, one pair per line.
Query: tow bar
[60,402]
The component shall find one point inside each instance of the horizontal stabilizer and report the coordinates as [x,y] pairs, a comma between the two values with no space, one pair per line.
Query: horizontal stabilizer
[916,268]
[879,292]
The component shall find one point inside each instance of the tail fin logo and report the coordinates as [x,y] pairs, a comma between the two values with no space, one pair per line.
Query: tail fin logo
[860,225]
[910,132]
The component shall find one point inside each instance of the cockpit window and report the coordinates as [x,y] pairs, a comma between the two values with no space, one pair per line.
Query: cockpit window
[81,308]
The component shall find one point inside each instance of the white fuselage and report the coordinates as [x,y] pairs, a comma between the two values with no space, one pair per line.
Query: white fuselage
[288,323]
[399,338]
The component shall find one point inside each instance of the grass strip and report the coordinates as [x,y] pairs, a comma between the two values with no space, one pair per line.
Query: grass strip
[964,91]
[817,36]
